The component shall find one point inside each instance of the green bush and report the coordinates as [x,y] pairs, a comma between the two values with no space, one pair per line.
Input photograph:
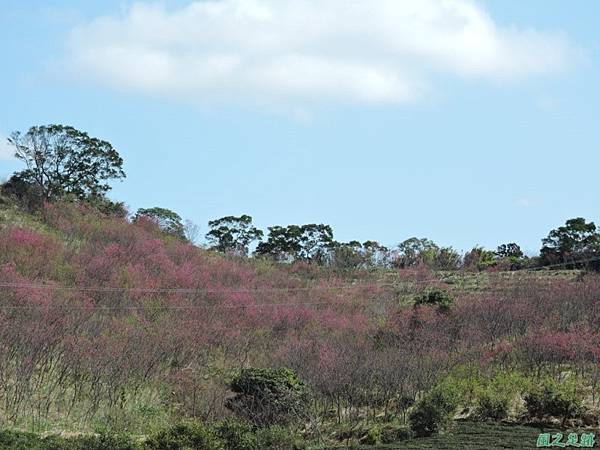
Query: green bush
[267,397]
[550,398]
[15,440]
[492,405]
[498,396]
[435,297]
[434,412]
[238,435]
[188,436]
[275,438]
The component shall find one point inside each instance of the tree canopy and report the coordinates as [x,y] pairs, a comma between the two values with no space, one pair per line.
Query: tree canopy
[167,220]
[310,243]
[233,234]
[575,241]
[62,160]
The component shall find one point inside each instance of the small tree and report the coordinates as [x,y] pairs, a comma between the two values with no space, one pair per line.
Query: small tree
[268,397]
[511,250]
[479,259]
[233,234]
[167,220]
[62,160]
[434,412]
[549,398]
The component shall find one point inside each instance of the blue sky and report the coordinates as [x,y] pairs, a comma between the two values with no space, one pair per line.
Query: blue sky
[476,124]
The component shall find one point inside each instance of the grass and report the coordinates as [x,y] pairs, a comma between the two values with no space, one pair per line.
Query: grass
[477,436]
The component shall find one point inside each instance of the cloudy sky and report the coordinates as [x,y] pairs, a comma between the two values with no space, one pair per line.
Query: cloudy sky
[468,122]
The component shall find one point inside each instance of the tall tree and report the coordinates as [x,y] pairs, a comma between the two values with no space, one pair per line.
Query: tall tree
[574,241]
[233,234]
[62,160]
[414,251]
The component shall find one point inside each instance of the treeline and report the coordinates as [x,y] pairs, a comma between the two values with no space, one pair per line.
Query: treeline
[65,163]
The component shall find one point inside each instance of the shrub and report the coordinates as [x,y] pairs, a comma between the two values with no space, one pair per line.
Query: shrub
[435,297]
[549,398]
[238,435]
[435,410]
[390,435]
[496,398]
[268,397]
[275,438]
[492,405]
[186,435]
[16,440]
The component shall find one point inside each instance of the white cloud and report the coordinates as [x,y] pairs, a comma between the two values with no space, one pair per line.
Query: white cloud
[526,202]
[373,51]
[6,151]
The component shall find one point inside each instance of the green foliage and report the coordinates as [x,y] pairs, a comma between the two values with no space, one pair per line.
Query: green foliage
[167,220]
[268,397]
[415,251]
[16,440]
[556,399]
[435,411]
[186,436]
[436,297]
[107,206]
[574,241]
[238,435]
[511,250]
[26,195]
[497,397]
[62,160]
[479,258]
[354,255]
[233,234]
[275,438]
[309,243]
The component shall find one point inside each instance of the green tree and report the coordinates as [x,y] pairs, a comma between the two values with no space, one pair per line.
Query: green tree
[575,241]
[311,243]
[167,220]
[446,258]
[511,256]
[435,411]
[62,160]
[511,250]
[415,251]
[347,255]
[479,259]
[233,234]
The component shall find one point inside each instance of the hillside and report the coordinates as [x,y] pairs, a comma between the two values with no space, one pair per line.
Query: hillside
[108,324]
